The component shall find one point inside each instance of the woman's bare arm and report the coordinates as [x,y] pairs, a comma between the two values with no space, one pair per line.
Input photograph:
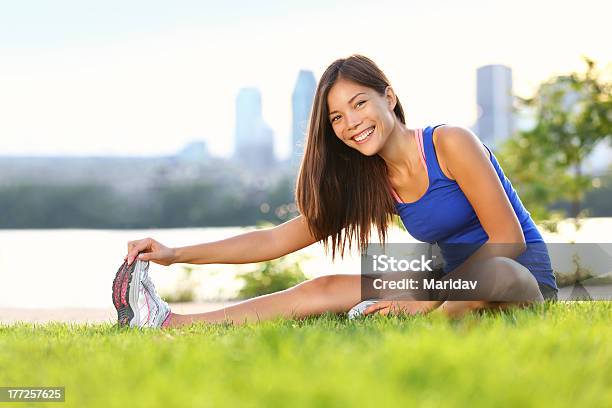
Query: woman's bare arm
[255,246]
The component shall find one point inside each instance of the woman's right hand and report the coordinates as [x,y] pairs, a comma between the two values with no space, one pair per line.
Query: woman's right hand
[149,249]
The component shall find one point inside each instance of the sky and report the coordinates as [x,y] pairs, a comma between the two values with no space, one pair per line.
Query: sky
[147,77]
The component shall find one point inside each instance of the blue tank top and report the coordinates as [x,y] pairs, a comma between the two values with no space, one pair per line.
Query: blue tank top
[444,216]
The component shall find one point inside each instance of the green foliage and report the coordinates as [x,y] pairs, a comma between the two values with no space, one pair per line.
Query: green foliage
[396,221]
[573,114]
[176,205]
[270,277]
[550,355]
[598,199]
[47,206]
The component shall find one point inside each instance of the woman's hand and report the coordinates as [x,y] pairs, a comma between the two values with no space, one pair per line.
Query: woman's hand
[149,249]
[410,307]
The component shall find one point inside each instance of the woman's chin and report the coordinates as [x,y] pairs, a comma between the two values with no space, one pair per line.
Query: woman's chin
[368,151]
[370,148]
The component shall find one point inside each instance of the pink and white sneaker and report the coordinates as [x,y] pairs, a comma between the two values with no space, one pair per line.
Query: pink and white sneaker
[135,298]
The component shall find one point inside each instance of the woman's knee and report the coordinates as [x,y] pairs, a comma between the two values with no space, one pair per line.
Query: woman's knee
[339,287]
[513,281]
[322,285]
[329,293]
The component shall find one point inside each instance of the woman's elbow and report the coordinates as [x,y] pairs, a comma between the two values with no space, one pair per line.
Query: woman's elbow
[514,244]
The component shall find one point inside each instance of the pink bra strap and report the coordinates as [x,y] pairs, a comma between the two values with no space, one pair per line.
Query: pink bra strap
[397,198]
[419,140]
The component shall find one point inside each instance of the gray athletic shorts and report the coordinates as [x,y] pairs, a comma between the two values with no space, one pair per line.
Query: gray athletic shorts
[548,292]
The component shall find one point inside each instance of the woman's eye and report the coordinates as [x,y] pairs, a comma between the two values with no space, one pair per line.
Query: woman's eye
[359,104]
[335,118]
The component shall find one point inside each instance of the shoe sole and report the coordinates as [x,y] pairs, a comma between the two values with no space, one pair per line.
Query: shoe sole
[122,293]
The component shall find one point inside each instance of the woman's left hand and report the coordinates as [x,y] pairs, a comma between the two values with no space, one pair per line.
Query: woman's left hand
[409,307]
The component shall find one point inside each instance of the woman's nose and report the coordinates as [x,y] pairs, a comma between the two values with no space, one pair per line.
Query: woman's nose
[353,121]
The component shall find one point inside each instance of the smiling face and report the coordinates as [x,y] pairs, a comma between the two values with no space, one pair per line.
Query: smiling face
[361,118]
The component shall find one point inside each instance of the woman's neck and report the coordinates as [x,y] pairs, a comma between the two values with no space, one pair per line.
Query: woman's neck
[400,152]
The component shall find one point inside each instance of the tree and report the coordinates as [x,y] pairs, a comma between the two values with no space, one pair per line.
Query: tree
[573,114]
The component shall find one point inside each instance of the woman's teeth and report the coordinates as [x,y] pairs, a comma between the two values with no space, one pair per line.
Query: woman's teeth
[363,136]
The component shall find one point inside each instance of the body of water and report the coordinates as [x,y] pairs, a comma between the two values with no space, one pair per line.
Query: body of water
[75,268]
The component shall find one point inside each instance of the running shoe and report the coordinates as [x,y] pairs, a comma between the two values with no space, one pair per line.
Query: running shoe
[358,309]
[135,298]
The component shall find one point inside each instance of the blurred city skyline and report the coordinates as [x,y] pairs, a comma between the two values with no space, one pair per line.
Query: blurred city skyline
[146,79]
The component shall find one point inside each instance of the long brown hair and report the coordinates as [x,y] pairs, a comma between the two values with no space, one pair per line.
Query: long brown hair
[341,192]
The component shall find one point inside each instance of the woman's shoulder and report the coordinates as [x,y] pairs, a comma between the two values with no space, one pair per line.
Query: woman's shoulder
[454,139]
[452,142]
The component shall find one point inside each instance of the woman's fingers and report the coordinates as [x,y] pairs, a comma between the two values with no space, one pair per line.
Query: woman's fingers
[389,307]
[385,311]
[135,247]
[147,256]
[131,245]
[376,307]
[149,250]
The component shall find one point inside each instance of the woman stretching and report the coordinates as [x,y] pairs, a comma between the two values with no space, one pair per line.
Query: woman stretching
[361,165]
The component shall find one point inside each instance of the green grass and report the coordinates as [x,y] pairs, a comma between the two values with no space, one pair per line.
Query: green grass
[550,355]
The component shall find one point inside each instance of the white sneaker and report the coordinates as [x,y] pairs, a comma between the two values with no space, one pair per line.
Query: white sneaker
[358,309]
[136,299]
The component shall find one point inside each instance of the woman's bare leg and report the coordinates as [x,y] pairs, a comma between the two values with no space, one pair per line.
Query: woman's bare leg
[332,293]
[339,293]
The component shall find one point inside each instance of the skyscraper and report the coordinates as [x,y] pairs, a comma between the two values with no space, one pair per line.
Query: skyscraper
[254,138]
[494,98]
[195,151]
[303,95]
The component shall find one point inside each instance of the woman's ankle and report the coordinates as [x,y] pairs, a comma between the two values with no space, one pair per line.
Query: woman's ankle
[168,322]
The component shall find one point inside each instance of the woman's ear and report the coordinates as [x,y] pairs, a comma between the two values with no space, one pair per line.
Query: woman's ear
[390,97]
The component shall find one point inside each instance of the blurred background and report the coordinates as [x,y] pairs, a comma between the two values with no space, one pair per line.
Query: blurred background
[186,123]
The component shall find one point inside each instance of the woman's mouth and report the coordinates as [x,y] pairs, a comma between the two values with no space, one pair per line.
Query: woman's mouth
[364,136]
